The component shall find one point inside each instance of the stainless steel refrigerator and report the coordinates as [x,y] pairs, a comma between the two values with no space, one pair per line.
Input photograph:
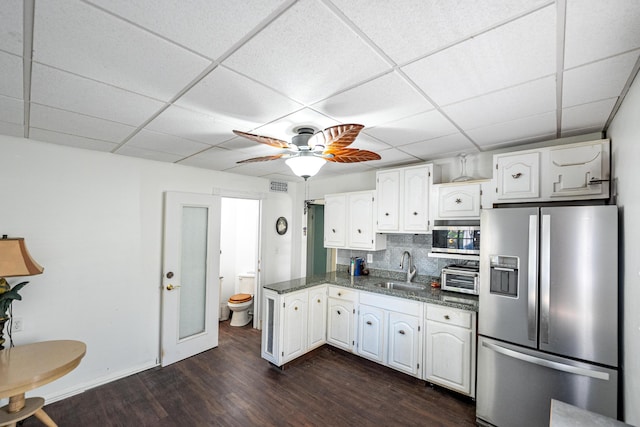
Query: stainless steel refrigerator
[548,316]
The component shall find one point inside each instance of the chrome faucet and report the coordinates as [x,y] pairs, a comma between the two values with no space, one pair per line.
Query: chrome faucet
[411,271]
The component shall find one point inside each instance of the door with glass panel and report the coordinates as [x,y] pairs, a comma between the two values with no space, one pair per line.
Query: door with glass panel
[190,276]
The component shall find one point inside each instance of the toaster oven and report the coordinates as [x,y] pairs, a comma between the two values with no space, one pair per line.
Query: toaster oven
[461,278]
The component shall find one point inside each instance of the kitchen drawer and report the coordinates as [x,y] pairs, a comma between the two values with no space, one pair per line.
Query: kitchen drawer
[343,293]
[449,315]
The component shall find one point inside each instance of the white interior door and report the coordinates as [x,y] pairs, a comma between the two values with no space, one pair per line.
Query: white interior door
[190,279]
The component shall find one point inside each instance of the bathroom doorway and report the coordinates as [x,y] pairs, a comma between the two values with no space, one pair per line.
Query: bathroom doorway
[239,251]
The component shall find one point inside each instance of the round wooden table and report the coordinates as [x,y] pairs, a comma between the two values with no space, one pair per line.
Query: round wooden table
[26,367]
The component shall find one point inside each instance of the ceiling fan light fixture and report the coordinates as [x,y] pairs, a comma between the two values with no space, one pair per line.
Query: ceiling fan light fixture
[305,166]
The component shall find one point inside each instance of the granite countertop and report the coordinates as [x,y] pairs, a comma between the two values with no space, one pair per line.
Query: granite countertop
[368,283]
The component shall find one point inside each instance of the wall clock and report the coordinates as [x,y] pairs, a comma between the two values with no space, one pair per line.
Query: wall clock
[281,225]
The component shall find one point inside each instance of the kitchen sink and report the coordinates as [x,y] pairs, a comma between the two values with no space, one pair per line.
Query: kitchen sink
[401,286]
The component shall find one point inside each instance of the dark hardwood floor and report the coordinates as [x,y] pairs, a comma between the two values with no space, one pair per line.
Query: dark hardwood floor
[232,385]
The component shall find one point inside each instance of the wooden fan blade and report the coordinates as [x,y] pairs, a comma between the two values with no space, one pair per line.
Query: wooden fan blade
[264,158]
[273,142]
[339,136]
[350,155]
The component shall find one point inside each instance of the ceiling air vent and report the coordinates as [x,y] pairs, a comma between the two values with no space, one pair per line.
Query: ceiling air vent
[278,187]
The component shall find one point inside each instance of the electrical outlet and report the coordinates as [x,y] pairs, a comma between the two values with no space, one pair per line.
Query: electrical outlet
[369,258]
[16,324]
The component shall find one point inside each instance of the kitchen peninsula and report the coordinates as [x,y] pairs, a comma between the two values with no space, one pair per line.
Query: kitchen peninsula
[424,332]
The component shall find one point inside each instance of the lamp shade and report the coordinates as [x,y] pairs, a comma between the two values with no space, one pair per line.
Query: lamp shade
[15,259]
[305,166]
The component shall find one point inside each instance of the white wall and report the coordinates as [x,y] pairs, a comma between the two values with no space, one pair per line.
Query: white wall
[94,221]
[625,140]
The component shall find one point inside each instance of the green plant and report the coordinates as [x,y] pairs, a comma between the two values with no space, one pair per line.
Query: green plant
[7,295]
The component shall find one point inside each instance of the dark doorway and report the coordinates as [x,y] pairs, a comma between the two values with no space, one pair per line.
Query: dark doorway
[316,252]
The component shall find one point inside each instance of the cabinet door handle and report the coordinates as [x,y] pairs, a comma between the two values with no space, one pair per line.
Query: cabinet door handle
[369,322]
[295,308]
[338,311]
[333,230]
[319,301]
[415,213]
[458,201]
[386,214]
[446,316]
[359,231]
[339,294]
[516,175]
[401,332]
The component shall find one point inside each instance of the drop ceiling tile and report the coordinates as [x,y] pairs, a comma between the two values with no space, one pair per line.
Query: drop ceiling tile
[386,98]
[420,27]
[262,168]
[528,99]
[205,26]
[66,122]
[11,81]
[66,91]
[70,140]
[591,116]
[155,141]
[597,80]
[439,147]
[191,125]
[82,39]
[285,127]
[149,154]
[515,53]
[236,99]
[214,158]
[11,129]
[393,157]
[419,127]
[11,110]
[365,142]
[11,26]
[527,128]
[596,29]
[307,54]
[333,169]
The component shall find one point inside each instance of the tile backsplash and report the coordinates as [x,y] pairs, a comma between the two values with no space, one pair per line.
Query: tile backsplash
[418,245]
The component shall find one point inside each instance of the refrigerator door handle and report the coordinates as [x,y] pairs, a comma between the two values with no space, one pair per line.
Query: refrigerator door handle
[533,278]
[545,277]
[547,363]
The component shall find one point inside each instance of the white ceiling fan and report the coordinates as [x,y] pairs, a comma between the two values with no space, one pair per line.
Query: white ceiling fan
[310,150]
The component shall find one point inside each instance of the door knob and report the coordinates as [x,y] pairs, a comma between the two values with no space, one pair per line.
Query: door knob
[170,287]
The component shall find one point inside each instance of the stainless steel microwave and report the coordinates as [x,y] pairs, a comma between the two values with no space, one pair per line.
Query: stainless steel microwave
[455,239]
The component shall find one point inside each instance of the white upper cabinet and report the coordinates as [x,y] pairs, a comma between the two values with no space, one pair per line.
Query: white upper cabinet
[457,200]
[388,190]
[568,172]
[403,199]
[335,224]
[517,175]
[349,221]
[577,171]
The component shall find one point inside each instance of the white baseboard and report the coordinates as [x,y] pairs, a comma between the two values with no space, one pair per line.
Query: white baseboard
[81,388]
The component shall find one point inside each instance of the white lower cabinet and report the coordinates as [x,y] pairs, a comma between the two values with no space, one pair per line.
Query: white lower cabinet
[450,348]
[404,343]
[317,326]
[371,333]
[389,331]
[341,317]
[382,328]
[293,324]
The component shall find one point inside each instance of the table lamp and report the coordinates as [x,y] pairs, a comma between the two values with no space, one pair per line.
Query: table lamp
[14,261]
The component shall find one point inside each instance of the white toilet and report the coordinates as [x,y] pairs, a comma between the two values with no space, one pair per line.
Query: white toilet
[241,302]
